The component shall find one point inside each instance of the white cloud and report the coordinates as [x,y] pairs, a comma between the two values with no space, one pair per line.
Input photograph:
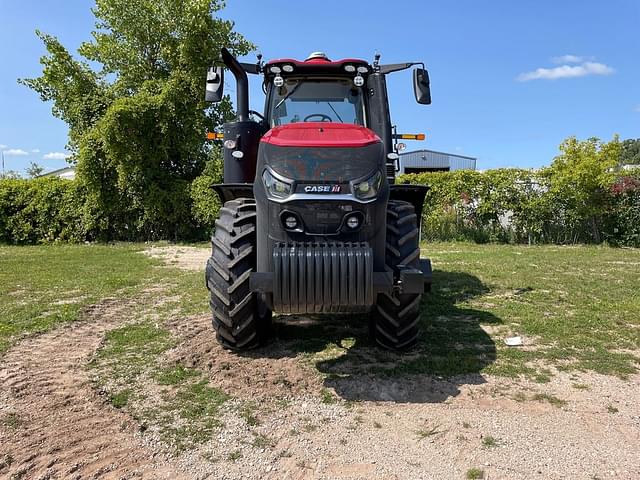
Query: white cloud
[569,59]
[637,109]
[35,150]
[56,156]
[2,147]
[15,152]
[567,71]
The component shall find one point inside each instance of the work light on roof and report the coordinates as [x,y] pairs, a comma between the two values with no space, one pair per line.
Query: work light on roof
[349,68]
[287,68]
[275,69]
[317,55]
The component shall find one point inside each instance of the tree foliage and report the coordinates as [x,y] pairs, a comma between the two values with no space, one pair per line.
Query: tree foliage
[630,152]
[34,170]
[137,124]
[579,198]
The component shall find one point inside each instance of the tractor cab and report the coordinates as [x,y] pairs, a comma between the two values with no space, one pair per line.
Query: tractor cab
[313,221]
[316,90]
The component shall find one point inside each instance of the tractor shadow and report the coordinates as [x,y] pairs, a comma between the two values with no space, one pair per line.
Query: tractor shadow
[452,349]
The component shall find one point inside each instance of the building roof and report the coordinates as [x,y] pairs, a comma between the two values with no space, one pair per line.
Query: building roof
[66,172]
[424,150]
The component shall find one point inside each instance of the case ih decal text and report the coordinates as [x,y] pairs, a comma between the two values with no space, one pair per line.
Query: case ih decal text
[322,189]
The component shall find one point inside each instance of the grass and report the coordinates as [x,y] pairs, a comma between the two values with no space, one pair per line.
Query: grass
[327,397]
[581,386]
[575,306]
[174,375]
[489,442]
[261,441]
[475,474]
[11,421]
[248,411]
[42,287]
[187,411]
[427,431]
[120,399]
[551,399]
[234,456]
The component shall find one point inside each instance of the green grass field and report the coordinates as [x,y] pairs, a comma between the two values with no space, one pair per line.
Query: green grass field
[578,307]
[44,286]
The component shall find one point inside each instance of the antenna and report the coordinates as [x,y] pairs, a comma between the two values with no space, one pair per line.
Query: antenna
[3,164]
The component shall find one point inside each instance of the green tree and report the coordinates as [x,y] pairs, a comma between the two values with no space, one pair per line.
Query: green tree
[137,125]
[34,170]
[630,152]
[579,182]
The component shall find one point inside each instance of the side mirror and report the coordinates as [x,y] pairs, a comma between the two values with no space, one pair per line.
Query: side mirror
[215,84]
[421,86]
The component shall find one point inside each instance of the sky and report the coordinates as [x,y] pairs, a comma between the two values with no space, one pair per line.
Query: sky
[509,79]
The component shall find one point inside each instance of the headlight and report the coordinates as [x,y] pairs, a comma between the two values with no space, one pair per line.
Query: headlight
[275,187]
[369,188]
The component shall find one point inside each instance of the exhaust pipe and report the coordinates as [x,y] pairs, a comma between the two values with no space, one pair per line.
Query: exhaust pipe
[242,84]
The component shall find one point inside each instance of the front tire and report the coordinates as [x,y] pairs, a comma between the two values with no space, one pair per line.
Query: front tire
[240,320]
[395,318]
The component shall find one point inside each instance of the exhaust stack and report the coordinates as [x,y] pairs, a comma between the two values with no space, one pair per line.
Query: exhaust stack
[242,84]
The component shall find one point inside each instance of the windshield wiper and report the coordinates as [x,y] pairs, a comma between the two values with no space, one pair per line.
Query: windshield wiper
[289,94]
[334,111]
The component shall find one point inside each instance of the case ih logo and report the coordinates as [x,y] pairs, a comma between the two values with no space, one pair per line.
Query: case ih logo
[322,189]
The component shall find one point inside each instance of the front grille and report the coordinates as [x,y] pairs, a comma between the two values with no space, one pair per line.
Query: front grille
[322,277]
[322,217]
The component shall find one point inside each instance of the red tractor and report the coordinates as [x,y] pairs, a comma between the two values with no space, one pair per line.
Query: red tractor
[312,219]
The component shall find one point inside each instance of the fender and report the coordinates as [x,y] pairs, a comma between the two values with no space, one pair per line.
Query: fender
[231,191]
[414,194]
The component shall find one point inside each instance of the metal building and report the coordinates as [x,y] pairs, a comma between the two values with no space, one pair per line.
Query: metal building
[432,161]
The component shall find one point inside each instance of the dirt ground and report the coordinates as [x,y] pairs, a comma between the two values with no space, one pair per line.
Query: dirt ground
[379,427]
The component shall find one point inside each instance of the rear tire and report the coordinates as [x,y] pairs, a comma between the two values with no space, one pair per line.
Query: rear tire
[236,310]
[395,318]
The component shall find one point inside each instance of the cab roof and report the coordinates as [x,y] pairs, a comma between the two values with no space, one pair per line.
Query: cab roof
[317,62]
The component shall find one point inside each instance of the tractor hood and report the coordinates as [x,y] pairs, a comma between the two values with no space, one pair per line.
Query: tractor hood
[320,134]
[321,151]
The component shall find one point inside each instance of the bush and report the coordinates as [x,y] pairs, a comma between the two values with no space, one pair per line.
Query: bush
[206,203]
[50,209]
[623,227]
[579,198]
[496,205]
[41,210]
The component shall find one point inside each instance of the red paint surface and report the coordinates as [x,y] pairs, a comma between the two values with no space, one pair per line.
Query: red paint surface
[320,134]
[320,61]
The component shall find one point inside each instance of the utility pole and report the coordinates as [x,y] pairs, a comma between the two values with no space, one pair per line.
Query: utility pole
[2,164]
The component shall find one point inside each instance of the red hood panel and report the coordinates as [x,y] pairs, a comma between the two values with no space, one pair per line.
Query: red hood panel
[320,134]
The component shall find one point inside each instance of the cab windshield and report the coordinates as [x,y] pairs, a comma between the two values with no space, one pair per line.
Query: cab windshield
[310,100]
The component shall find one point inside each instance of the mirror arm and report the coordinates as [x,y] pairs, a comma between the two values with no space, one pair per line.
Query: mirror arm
[396,67]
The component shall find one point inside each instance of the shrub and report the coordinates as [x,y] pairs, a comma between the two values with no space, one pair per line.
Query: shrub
[579,198]
[41,210]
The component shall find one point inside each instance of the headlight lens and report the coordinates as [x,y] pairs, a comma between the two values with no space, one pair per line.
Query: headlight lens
[275,187]
[369,188]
